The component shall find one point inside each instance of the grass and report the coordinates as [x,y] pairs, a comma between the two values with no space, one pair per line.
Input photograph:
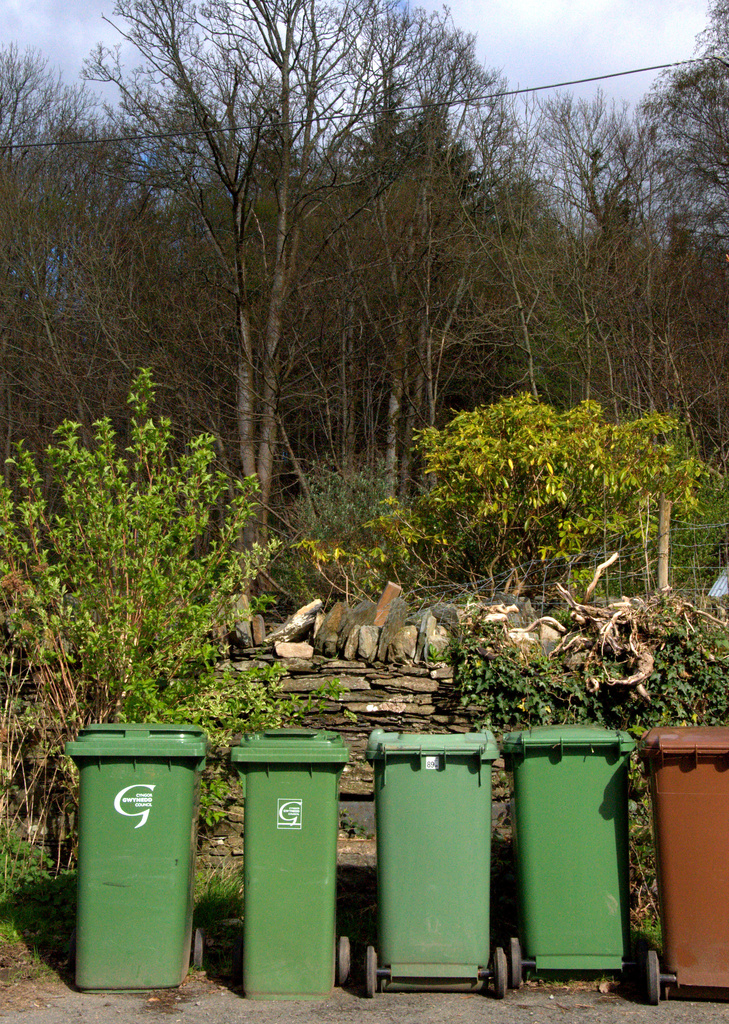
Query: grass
[648,933]
[38,915]
[219,911]
[218,896]
[38,911]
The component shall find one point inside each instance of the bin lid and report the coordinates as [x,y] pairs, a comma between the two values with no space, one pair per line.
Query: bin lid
[135,739]
[567,736]
[291,746]
[683,740]
[481,743]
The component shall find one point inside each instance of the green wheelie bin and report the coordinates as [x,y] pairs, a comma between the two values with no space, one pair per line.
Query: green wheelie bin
[433,819]
[139,791]
[570,830]
[290,780]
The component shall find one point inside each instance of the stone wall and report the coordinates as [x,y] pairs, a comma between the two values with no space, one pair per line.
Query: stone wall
[381,656]
[402,698]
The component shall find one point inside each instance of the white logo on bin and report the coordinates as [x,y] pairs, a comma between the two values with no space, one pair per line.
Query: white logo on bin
[289,813]
[135,802]
[433,762]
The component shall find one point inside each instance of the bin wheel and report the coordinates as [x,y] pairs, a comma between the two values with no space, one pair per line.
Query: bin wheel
[343,960]
[371,972]
[641,951]
[499,973]
[198,945]
[237,961]
[516,972]
[652,978]
[71,952]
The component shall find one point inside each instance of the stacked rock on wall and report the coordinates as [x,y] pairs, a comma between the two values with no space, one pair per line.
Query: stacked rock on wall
[382,658]
[398,698]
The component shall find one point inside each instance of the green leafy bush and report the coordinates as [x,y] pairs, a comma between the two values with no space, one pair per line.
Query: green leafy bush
[119,565]
[518,482]
[513,687]
[114,581]
[37,903]
[334,553]
[230,703]
[509,689]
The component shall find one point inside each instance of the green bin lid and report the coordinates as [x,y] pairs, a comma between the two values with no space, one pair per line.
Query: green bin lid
[684,740]
[566,736]
[291,746]
[134,739]
[382,743]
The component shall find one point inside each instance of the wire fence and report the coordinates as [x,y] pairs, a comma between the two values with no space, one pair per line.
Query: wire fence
[697,571]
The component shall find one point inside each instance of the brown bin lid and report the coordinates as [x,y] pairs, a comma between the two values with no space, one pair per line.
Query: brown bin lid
[684,740]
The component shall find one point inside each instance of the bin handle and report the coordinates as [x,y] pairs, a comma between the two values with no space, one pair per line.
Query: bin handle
[430,750]
[519,747]
[685,750]
[434,751]
[668,750]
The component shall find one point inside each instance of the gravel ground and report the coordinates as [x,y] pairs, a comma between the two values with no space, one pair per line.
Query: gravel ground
[203,1001]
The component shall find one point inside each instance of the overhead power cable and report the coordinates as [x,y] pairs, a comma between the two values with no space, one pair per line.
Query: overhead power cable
[598,78]
[294,122]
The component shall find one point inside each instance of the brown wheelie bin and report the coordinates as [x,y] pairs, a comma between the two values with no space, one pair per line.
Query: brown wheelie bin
[689,777]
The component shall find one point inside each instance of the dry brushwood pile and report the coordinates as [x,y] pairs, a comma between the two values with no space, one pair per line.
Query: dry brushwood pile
[619,636]
[660,652]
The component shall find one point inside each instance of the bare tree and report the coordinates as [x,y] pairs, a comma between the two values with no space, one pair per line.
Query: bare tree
[44,128]
[430,83]
[512,231]
[244,107]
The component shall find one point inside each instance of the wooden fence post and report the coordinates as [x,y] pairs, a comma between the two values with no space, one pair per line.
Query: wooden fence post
[664,536]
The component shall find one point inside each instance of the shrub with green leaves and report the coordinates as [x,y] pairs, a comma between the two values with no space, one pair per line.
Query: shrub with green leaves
[37,903]
[509,687]
[228,703]
[334,554]
[119,561]
[518,481]
[116,562]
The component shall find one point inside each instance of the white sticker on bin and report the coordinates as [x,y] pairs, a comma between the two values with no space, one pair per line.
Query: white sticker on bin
[290,813]
[433,762]
[135,802]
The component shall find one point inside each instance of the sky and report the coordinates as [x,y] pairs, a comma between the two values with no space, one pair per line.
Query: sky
[533,42]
